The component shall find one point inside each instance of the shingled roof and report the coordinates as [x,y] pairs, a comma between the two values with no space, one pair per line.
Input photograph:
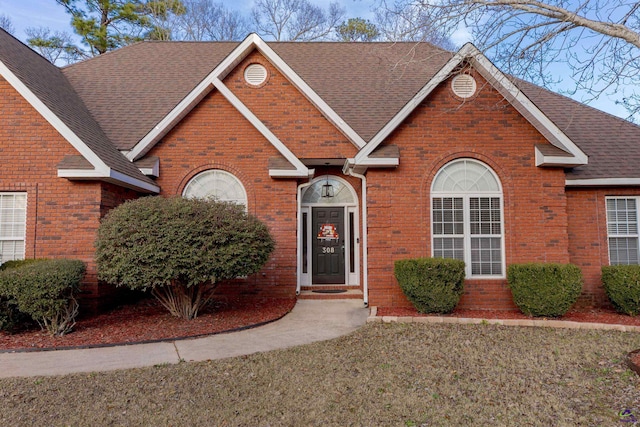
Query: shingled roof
[129,91]
[52,88]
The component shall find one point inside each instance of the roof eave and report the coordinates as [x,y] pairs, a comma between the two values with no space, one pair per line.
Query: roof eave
[556,161]
[603,182]
[111,176]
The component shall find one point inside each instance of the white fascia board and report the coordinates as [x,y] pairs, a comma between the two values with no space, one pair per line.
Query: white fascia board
[133,182]
[122,179]
[309,93]
[602,182]
[379,162]
[287,173]
[392,124]
[80,173]
[542,160]
[523,104]
[264,130]
[53,120]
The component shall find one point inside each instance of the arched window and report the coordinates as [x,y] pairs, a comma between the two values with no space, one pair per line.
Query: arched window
[216,184]
[466,215]
[329,190]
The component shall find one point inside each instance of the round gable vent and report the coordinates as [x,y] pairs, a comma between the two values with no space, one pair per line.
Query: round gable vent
[255,74]
[463,85]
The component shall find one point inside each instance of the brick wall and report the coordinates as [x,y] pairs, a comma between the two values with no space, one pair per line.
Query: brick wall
[440,130]
[62,215]
[588,247]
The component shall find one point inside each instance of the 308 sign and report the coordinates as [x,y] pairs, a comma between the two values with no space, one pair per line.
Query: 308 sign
[328,250]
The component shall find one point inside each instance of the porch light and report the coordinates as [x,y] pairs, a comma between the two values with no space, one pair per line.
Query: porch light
[327,189]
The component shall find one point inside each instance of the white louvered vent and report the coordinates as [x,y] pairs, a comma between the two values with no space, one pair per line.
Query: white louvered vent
[255,74]
[463,85]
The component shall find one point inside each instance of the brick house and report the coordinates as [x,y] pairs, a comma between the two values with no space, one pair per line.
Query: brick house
[354,155]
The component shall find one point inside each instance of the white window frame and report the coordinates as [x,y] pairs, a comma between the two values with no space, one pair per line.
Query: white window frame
[623,235]
[221,172]
[13,238]
[466,197]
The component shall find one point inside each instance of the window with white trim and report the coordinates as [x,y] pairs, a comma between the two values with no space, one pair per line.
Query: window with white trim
[622,229]
[466,215]
[216,184]
[13,220]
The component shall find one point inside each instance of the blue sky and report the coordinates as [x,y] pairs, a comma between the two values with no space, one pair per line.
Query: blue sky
[47,13]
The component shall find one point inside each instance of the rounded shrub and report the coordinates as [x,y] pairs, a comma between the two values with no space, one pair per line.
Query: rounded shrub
[622,285]
[46,290]
[179,248]
[433,285]
[547,290]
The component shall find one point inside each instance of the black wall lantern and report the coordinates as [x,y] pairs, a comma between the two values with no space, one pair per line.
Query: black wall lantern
[327,189]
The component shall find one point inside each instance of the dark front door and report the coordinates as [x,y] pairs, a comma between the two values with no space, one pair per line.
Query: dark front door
[328,245]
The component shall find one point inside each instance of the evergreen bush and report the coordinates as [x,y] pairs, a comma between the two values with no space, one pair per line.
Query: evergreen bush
[622,285]
[45,290]
[179,248]
[544,289]
[433,285]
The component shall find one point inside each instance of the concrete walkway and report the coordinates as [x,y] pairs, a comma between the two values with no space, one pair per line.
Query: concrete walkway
[309,321]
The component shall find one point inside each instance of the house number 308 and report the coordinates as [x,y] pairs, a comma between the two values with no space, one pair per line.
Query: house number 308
[328,250]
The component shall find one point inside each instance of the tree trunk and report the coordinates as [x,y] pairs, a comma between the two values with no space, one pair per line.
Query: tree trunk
[182,301]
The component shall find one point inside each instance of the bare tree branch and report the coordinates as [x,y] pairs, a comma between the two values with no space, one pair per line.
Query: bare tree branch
[295,20]
[6,24]
[597,41]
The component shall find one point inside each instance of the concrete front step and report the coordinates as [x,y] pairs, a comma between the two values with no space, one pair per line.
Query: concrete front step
[349,294]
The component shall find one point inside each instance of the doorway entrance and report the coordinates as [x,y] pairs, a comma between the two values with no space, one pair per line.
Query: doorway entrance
[327,246]
[328,238]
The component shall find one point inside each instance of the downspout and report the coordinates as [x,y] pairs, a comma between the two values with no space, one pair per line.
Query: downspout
[365,258]
[299,236]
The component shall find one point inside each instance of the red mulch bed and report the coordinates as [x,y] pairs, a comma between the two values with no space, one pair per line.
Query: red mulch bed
[590,315]
[148,321]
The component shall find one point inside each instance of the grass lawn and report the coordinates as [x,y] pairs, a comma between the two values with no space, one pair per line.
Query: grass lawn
[381,375]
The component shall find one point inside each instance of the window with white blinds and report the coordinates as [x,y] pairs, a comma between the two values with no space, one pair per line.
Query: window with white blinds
[467,220]
[622,229]
[13,219]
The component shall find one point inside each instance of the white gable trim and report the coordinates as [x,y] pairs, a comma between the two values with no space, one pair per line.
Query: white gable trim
[253,41]
[100,167]
[301,169]
[507,89]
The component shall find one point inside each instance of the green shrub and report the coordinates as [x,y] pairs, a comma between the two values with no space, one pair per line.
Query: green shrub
[622,285]
[45,290]
[544,289]
[10,317]
[433,285]
[179,248]
[17,263]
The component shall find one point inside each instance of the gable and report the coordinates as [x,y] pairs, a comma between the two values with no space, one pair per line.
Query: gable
[214,135]
[288,114]
[471,57]
[46,89]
